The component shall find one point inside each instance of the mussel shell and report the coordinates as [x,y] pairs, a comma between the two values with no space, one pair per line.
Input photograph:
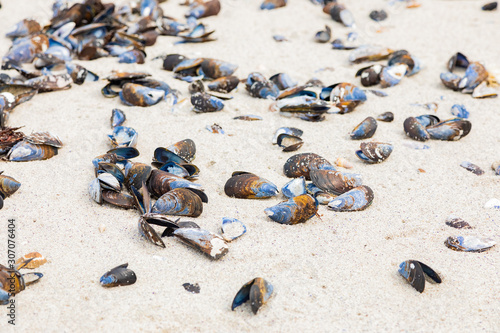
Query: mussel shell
[369,53]
[286,130]
[117,118]
[147,231]
[490,6]
[95,191]
[23,28]
[450,130]
[469,243]
[370,76]
[172,60]
[303,104]
[378,15]
[458,60]
[301,164]
[415,130]
[25,151]
[294,188]
[258,291]
[136,174]
[122,153]
[427,120]
[185,149]
[472,168]
[272,4]
[457,222]
[163,155]
[161,182]
[179,201]
[386,117]
[335,182]
[215,69]
[413,271]
[123,137]
[203,102]
[8,186]
[109,182]
[196,86]
[366,129]
[323,197]
[118,199]
[224,84]
[296,210]
[249,186]
[283,81]
[138,95]
[118,276]
[232,229]
[289,142]
[207,242]
[323,36]
[374,152]
[343,92]
[112,169]
[264,89]
[474,75]
[484,90]
[358,198]
[391,75]
[450,80]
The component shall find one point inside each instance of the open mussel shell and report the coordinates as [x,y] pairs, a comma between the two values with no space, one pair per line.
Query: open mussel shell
[414,272]
[109,182]
[469,243]
[458,60]
[163,155]
[415,130]
[296,210]
[335,182]
[323,36]
[294,188]
[203,102]
[450,130]
[148,232]
[258,291]
[289,142]
[123,137]
[263,89]
[184,170]
[323,197]
[185,149]
[138,95]
[386,117]
[112,169]
[179,201]
[232,228]
[207,242]
[366,129]
[8,186]
[25,151]
[358,198]
[474,75]
[245,185]
[122,153]
[118,276]
[374,152]
[301,164]
[161,182]
[286,130]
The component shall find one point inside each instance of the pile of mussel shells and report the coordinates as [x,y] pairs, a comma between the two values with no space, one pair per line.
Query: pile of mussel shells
[8,186]
[476,80]
[400,64]
[15,146]
[425,127]
[12,282]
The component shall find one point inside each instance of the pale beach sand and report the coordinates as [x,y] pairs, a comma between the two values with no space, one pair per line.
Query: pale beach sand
[334,273]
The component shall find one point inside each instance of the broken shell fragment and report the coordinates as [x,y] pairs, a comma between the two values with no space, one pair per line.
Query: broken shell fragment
[358,198]
[413,271]
[472,168]
[207,242]
[31,260]
[323,36]
[459,111]
[469,243]
[245,185]
[118,276]
[457,222]
[344,163]
[296,210]
[258,291]
[374,152]
[232,228]
[366,129]
[391,75]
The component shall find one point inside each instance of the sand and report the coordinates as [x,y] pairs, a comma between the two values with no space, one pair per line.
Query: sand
[336,272]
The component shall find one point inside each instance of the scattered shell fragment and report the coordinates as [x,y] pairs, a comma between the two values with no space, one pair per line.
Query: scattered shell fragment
[457,222]
[343,163]
[232,228]
[192,288]
[34,260]
[207,242]
[472,168]
[469,243]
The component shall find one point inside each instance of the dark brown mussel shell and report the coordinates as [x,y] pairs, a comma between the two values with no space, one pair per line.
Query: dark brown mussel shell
[224,84]
[366,129]
[137,174]
[370,75]
[335,182]
[415,130]
[374,152]
[258,291]
[147,231]
[196,87]
[414,272]
[179,201]
[118,276]
[161,182]
[119,199]
[172,60]
[386,117]
[458,60]
[300,165]
[457,222]
[450,130]
[185,149]
[245,185]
